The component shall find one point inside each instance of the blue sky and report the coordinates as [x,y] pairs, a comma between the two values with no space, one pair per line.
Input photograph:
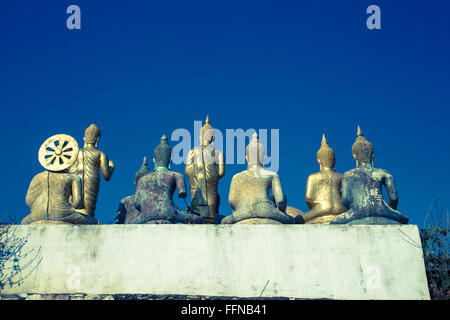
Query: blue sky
[146,68]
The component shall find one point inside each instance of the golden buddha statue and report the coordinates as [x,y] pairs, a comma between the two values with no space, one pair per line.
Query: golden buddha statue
[323,189]
[361,190]
[249,192]
[204,167]
[87,166]
[54,195]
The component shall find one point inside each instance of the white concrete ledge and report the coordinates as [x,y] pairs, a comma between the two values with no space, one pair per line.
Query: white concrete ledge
[302,261]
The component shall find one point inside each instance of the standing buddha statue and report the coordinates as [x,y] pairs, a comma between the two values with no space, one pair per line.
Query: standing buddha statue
[204,167]
[87,166]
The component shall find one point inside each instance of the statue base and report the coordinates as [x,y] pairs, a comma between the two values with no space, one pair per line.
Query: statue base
[48,222]
[373,221]
[322,220]
[248,261]
[258,221]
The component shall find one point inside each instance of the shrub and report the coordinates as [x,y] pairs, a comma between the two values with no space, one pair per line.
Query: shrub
[435,245]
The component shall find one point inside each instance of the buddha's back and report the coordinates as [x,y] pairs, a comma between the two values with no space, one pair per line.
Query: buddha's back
[155,191]
[361,188]
[326,191]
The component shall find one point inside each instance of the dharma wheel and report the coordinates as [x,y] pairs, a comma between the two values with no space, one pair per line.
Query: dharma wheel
[58,152]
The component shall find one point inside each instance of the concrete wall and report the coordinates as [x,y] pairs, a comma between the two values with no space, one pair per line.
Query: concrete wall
[303,261]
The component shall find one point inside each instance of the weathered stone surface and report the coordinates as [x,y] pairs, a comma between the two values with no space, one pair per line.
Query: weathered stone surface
[362,194]
[361,190]
[153,201]
[301,261]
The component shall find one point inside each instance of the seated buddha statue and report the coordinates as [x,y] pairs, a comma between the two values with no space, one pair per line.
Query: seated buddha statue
[54,195]
[361,190]
[153,200]
[127,205]
[323,189]
[249,192]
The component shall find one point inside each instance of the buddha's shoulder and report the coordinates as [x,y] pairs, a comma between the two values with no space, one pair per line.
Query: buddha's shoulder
[352,172]
[269,173]
[148,176]
[241,175]
[94,152]
[322,175]
[315,175]
[369,171]
[381,172]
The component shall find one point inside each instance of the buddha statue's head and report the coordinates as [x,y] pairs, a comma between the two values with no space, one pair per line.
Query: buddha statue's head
[92,135]
[325,155]
[362,150]
[255,152]
[206,133]
[162,153]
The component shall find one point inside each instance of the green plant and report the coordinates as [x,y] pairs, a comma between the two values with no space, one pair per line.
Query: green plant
[435,245]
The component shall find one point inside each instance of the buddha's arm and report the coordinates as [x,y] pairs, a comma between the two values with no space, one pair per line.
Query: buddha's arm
[106,166]
[233,197]
[221,165]
[308,193]
[181,185]
[77,198]
[391,191]
[346,192]
[278,193]
[139,196]
[189,164]
[33,191]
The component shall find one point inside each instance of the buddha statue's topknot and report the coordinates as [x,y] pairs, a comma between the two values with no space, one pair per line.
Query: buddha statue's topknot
[362,148]
[162,153]
[92,133]
[255,151]
[326,154]
[207,128]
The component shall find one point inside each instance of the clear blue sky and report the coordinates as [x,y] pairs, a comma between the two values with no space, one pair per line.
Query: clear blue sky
[143,68]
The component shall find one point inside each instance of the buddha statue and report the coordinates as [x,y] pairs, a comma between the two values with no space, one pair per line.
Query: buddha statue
[249,192]
[204,167]
[127,204]
[87,166]
[361,190]
[323,189]
[55,195]
[153,201]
